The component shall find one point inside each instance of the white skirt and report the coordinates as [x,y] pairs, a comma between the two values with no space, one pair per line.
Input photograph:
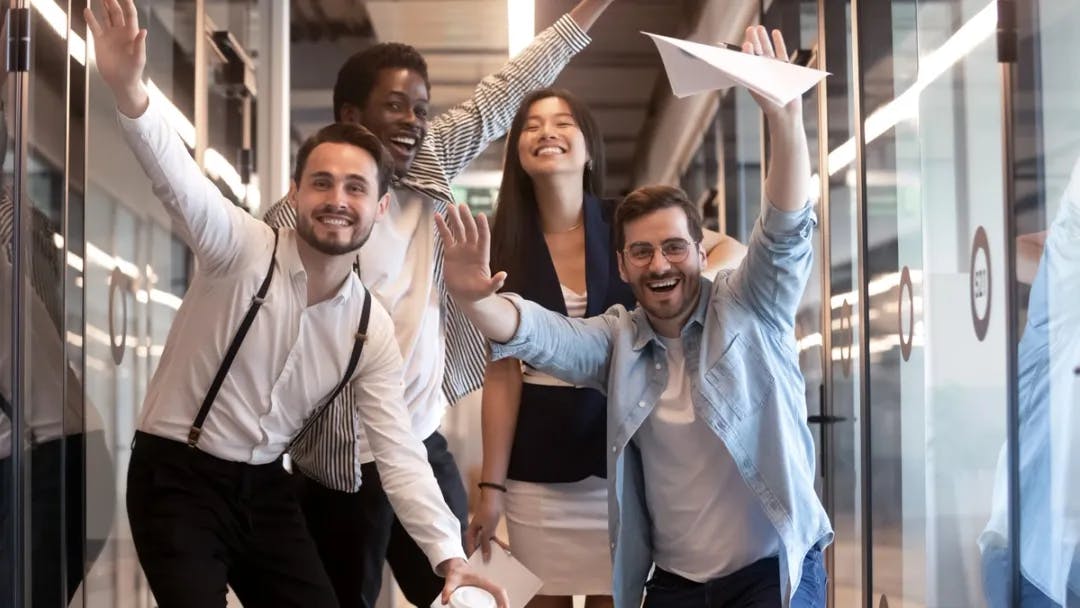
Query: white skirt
[559,531]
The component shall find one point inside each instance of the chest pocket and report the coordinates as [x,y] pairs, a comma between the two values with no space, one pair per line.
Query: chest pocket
[740,382]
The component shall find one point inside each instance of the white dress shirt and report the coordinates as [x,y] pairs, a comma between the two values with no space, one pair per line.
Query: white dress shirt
[397,265]
[707,523]
[294,354]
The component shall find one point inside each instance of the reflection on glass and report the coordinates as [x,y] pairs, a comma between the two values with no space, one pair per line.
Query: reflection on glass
[8,525]
[1049,352]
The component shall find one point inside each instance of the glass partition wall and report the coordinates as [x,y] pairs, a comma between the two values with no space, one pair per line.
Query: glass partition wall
[92,272]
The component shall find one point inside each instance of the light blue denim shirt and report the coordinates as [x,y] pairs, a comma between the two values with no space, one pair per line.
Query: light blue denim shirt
[747,386]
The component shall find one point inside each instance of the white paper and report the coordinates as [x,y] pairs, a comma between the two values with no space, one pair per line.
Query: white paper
[507,572]
[693,67]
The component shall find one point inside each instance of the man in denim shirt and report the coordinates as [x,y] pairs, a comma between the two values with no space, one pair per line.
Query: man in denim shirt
[710,460]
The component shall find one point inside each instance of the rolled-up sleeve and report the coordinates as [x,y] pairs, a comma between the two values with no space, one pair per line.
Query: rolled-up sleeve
[779,258]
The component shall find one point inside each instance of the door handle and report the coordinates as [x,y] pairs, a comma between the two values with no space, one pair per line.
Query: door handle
[824,419]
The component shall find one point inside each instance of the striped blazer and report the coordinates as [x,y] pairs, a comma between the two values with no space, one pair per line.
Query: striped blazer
[329,452]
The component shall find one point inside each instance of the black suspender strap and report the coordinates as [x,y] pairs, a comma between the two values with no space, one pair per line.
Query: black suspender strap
[354,358]
[234,347]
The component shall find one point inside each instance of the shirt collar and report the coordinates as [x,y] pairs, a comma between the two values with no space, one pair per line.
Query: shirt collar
[290,263]
[289,255]
[426,158]
[643,330]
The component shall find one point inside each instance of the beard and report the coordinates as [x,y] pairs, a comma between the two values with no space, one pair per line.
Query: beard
[306,230]
[689,287]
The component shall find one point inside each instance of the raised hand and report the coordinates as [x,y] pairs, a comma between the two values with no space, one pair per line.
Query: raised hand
[757,42]
[120,53]
[466,255]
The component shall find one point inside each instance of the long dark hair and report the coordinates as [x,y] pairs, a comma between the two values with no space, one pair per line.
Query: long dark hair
[515,209]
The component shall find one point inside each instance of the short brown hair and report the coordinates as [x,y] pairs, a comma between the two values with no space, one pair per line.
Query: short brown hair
[646,200]
[353,135]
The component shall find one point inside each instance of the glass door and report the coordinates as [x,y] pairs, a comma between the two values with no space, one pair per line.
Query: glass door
[841,338]
[934,266]
[11,420]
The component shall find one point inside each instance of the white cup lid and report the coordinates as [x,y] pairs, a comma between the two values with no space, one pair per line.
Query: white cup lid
[471,597]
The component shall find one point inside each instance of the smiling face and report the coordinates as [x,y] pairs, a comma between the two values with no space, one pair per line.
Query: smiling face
[337,198]
[551,142]
[396,112]
[667,282]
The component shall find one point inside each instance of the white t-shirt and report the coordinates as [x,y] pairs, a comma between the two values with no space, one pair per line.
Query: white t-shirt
[707,523]
[576,304]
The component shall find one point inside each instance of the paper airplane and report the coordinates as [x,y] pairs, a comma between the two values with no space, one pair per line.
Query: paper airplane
[693,67]
[506,571]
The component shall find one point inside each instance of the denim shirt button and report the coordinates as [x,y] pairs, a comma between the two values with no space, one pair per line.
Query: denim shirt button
[614,448]
[641,404]
[658,366]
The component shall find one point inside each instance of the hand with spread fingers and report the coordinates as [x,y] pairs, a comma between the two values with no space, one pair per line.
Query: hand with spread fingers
[757,42]
[120,53]
[467,255]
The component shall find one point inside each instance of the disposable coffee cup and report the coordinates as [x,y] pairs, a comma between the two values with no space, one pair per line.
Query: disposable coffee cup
[471,597]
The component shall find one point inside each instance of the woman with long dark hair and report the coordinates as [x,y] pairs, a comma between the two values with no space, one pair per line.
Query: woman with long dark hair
[544,463]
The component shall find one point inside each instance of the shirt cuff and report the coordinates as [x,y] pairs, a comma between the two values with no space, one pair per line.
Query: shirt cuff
[444,551]
[799,223]
[571,33]
[513,347]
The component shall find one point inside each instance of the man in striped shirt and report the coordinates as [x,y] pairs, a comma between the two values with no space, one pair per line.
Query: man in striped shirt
[386,89]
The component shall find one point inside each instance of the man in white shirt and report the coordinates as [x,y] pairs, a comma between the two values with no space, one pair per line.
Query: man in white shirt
[386,89]
[208,500]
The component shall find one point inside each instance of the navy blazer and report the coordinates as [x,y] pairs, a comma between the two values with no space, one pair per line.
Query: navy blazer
[560,434]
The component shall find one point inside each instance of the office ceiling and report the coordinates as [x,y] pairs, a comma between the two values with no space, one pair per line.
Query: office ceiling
[619,75]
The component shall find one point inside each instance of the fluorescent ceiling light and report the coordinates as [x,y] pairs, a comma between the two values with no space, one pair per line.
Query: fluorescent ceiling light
[520,24]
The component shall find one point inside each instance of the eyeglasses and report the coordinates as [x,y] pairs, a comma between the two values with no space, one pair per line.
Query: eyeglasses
[674,251]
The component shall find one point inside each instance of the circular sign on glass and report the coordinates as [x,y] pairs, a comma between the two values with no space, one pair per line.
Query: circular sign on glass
[119,284]
[847,337]
[906,337]
[980,283]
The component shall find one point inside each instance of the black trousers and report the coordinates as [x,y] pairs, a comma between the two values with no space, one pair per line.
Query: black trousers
[357,532]
[200,523]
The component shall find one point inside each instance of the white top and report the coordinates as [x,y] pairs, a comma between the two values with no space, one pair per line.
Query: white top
[707,523]
[575,307]
[397,264]
[293,356]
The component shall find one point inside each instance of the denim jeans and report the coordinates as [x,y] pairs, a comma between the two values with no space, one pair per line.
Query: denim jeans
[995,570]
[755,586]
